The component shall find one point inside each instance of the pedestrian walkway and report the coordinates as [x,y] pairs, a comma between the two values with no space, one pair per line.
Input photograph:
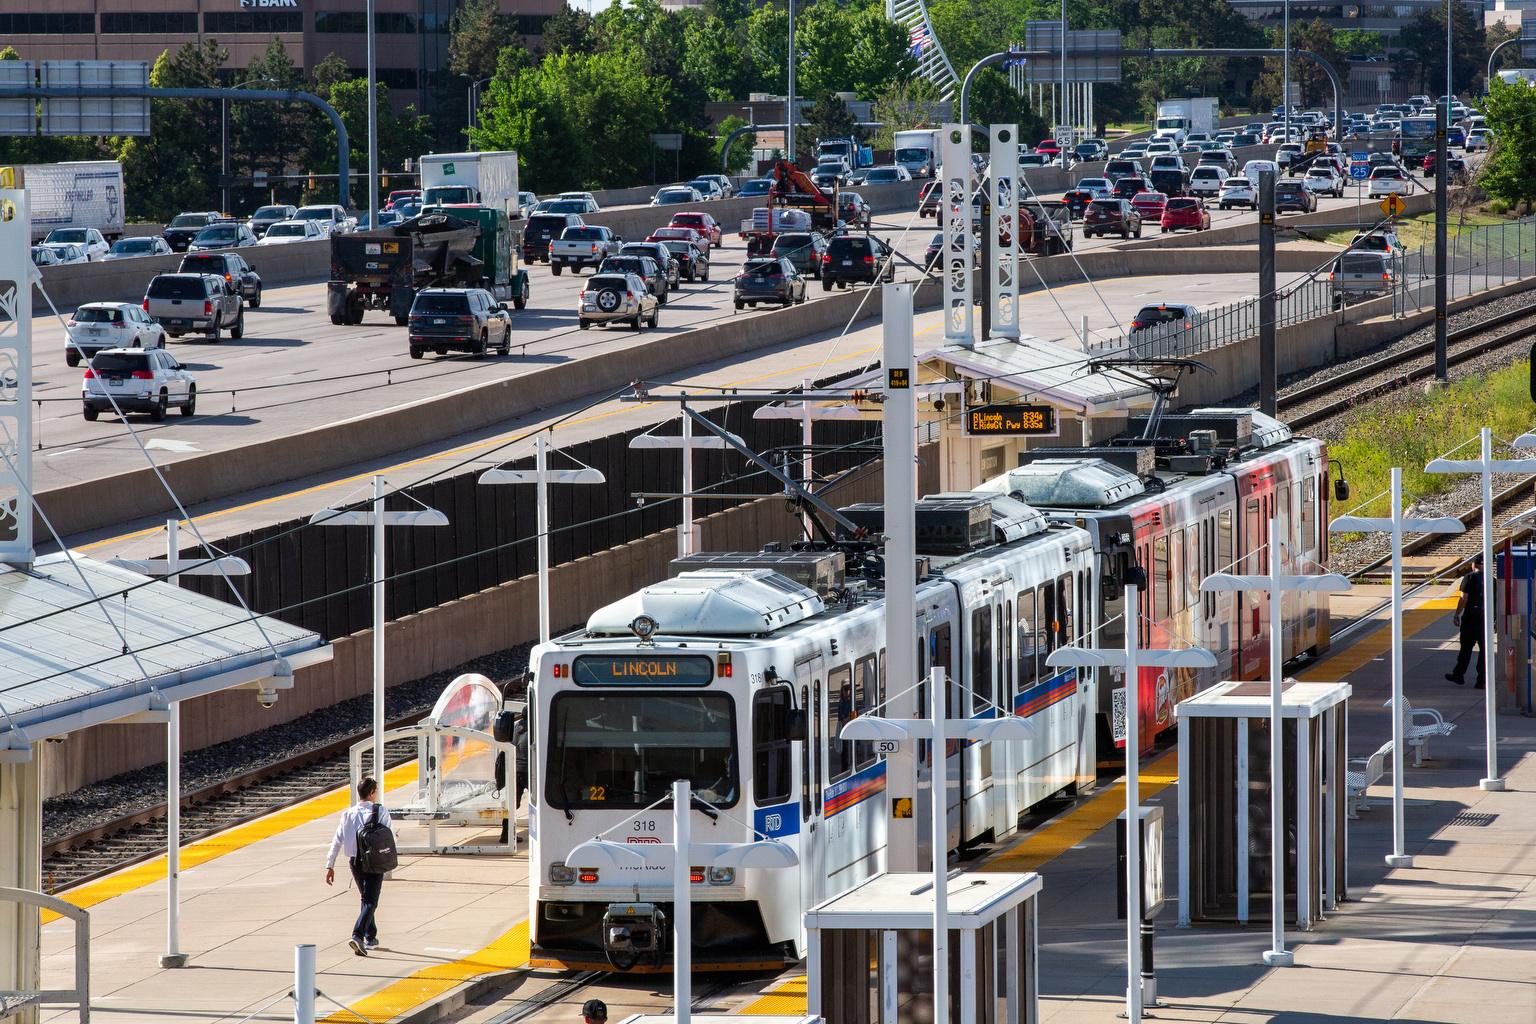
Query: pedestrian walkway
[251,894]
[1450,940]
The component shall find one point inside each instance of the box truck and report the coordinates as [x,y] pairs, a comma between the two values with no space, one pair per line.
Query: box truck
[481,179]
[1179,119]
[80,194]
[917,151]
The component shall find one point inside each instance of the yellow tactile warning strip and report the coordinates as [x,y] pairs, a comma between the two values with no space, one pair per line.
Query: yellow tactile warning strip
[1039,848]
[213,847]
[508,952]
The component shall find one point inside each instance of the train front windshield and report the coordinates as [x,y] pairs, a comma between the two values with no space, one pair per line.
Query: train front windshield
[624,751]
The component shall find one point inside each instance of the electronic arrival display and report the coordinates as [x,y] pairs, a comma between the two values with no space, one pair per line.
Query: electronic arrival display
[1011,421]
[643,670]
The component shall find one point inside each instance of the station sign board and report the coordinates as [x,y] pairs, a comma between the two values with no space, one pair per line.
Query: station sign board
[1011,421]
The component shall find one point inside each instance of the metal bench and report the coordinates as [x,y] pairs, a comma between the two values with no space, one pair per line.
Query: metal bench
[1362,774]
[1420,725]
[12,1003]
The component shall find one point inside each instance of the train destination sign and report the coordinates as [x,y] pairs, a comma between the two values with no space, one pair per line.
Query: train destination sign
[1011,421]
[643,670]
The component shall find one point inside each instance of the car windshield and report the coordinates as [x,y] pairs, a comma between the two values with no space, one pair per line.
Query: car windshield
[601,282]
[218,233]
[762,268]
[681,246]
[625,750]
[1362,263]
[1386,172]
[66,235]
[316,214]
[1158,315]
[1237,183]
[1183,204]
[98,315]
[271,213]
[688,220]
[704,187]
[756,187]
[546,225]
[582,233]
[202,265]
[189,220]
[1106,205]
[441,302]
[166,287]
[623,265]
[119,362]
[790,243]
[134,245]
[880,174]
[567,206]
[674,197]
[286,231]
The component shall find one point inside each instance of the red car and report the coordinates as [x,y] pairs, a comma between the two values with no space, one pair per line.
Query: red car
[1186,212]
[928,199]
[703,223]
[1150,205]
[1050,147]
[675,233]
[402,195]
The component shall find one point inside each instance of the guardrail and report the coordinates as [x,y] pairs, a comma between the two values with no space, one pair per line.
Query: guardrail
[80,995]
[1227,324]
[1476,260]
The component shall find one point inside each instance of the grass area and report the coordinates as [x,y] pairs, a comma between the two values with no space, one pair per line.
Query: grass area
[1127,128]
[1419,229]
[1412,428]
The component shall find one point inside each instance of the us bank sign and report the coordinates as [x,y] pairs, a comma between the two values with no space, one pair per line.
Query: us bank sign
[269,3]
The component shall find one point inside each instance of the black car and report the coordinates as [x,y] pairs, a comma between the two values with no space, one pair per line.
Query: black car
[237,274]
[803,249]
[447,320]
[1292,197]
[755,187]
[1130,187]
[692,261]
[184,227]
[1122,168]
[856,259]
[543,228]
[770,279]
[658,252]
[853,209]
[643,267]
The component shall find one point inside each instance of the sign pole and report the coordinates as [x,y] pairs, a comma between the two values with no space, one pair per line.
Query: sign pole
[1267,363]
[682,911]
[1133,992]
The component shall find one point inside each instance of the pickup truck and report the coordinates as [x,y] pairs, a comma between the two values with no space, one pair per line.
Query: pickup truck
[183,303]
[586,245]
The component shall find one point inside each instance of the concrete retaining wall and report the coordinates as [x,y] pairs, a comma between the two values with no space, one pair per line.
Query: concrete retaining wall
[1248,230]
[432,641]
[126,280]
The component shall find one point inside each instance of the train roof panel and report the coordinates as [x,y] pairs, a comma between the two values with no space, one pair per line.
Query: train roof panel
[1266,429]
[1073,483]
[712,602]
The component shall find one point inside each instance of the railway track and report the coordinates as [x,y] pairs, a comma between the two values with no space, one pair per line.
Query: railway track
[139,836]
[1321,401]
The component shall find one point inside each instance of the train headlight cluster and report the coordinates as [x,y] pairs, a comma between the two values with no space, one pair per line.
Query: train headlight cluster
[722,876]
[559,874]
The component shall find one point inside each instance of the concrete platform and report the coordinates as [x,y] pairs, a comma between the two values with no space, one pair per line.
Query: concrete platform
[446,925]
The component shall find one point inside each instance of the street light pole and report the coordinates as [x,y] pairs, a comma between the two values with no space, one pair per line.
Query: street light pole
[789,106]
[1285,97]
[373,126]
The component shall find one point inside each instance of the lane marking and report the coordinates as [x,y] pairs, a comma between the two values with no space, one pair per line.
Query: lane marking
[508,952]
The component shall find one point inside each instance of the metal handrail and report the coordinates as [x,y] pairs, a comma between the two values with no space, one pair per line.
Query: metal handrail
[80,995]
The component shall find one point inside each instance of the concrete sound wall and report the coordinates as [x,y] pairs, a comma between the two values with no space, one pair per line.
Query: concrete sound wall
[126,280]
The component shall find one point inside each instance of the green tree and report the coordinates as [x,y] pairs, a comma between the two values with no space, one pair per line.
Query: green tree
[1359,42]
[265,135]
[1510,170]
[1421,44]
[477,35]
[569,29]
[1316,87]
[402,135]
[768,47]
[878,54]
[994,100]
[177,167]
[741,149]
[1497,34]
[714,57]
[912,103]
[829,118]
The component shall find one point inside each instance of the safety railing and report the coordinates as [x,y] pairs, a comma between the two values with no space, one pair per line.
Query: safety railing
[1477,259]
[1224,325]
[12,1002]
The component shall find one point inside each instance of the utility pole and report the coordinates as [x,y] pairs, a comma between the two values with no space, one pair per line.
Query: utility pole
[373,143]
[1285,98]
[789,106]
[1268,383]
[1442,211]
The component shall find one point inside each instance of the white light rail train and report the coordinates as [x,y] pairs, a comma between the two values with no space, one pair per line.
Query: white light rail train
[738,672]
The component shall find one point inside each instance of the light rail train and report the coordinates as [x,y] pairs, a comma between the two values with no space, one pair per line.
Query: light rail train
[739,671]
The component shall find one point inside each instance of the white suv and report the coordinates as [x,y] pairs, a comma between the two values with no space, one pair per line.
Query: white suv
[1206,180]
[1238,192]
[333,220]
[97,326]
[137,380]
[89,240]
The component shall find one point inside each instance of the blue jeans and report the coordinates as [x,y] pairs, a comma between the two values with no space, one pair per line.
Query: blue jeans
[369,887]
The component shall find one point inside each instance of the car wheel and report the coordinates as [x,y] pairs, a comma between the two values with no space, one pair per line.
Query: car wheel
[485,346]
[416,353]
[213,333]
[72,358]
[784,302]
[583,324]
[826,284]
[738,309]
[256,299]
[506,342]
[441,351]
[554,268]
[704,275]
[89,413]
[1138,231]
[635,323]
[238,331]
[521,301]
[157,411]
[190,407]
[655,316]
[339,319]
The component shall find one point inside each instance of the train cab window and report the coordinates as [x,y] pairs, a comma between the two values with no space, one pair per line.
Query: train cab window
[1111,632]
[1253,529]
[1191,575]
[981,659]
[1224,542]
[1028,639]
[840,711]
[1208,564]
[1160,580]
[1064,621]
[1309,516]
[770,745]
[1287,528]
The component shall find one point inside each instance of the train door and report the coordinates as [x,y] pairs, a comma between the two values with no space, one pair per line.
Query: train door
[947,763]
[1294,562]
[1253,606]
[1208,615]
[919,709]
[808,683]
[1227,606]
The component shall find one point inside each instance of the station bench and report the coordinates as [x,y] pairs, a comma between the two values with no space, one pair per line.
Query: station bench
[1419,727]
[1362,774]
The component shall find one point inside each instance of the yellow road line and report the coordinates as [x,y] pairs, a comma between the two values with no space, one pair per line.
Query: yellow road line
[429,984]
[213,847]
[428,459]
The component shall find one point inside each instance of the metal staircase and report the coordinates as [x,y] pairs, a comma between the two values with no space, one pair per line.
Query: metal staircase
[932,62]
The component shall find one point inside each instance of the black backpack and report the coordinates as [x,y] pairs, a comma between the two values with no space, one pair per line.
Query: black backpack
[376,853]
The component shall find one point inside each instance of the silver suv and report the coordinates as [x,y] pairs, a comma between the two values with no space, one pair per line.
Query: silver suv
[196,304]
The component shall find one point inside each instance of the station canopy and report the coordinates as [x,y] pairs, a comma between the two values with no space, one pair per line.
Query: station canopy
[71,656]
[1057,374]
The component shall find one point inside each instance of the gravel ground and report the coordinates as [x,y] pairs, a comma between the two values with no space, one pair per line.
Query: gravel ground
[134,791]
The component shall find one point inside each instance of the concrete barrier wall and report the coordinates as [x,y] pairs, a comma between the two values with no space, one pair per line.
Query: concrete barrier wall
[432,641]
[1248,230]
[126,280]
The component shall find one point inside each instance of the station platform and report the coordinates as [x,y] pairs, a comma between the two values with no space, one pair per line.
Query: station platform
[249,895]
[1449,940]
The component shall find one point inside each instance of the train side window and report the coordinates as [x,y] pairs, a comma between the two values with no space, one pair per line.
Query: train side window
[1160,579]
[1064,612]
[819,715]
[805,764]
[1309,515]
[981,657]
[1208,530]
[866,694]
[1253,530]
[840,711]
[1005,655]
[1224,542]
[1029,635]
[770,745]
[1192,567]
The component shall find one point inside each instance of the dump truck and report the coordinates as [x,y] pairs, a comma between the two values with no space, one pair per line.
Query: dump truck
[469,247]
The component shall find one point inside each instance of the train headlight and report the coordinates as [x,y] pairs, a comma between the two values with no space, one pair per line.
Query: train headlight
[644,627]
[559,874]
[722,876]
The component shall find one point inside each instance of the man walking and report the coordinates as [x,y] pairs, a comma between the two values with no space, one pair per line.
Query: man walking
[594,1011]
[366,814]
[1469,619]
